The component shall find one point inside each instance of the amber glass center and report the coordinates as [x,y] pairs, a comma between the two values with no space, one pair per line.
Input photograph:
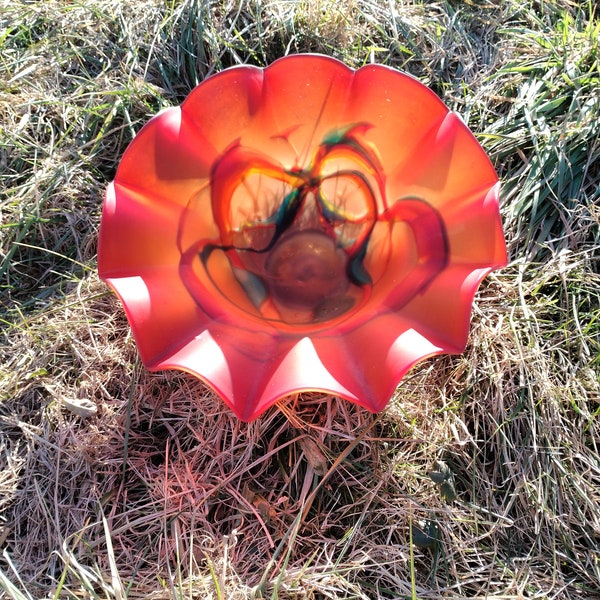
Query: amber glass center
[305,269]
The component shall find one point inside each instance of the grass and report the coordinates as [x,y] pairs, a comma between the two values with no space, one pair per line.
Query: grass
[480,480]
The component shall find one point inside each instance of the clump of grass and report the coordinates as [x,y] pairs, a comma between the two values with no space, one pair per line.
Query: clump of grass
[480,479]
[547,138]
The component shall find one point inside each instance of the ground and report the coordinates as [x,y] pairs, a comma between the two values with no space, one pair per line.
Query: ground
[481,478]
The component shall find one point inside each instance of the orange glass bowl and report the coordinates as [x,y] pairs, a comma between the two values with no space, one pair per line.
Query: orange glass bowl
[301,227]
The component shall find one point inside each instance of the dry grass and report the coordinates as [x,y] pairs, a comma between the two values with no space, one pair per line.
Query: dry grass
[482,477]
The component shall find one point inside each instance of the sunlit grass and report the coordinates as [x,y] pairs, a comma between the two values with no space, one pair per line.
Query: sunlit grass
[481,478]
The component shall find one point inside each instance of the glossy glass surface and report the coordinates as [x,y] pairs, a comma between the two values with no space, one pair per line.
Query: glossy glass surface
[301,227]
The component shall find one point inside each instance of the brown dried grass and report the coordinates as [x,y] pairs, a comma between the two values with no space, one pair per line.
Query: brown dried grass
[480,479]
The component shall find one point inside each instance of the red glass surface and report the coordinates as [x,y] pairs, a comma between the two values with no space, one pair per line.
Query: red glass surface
[301,227]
